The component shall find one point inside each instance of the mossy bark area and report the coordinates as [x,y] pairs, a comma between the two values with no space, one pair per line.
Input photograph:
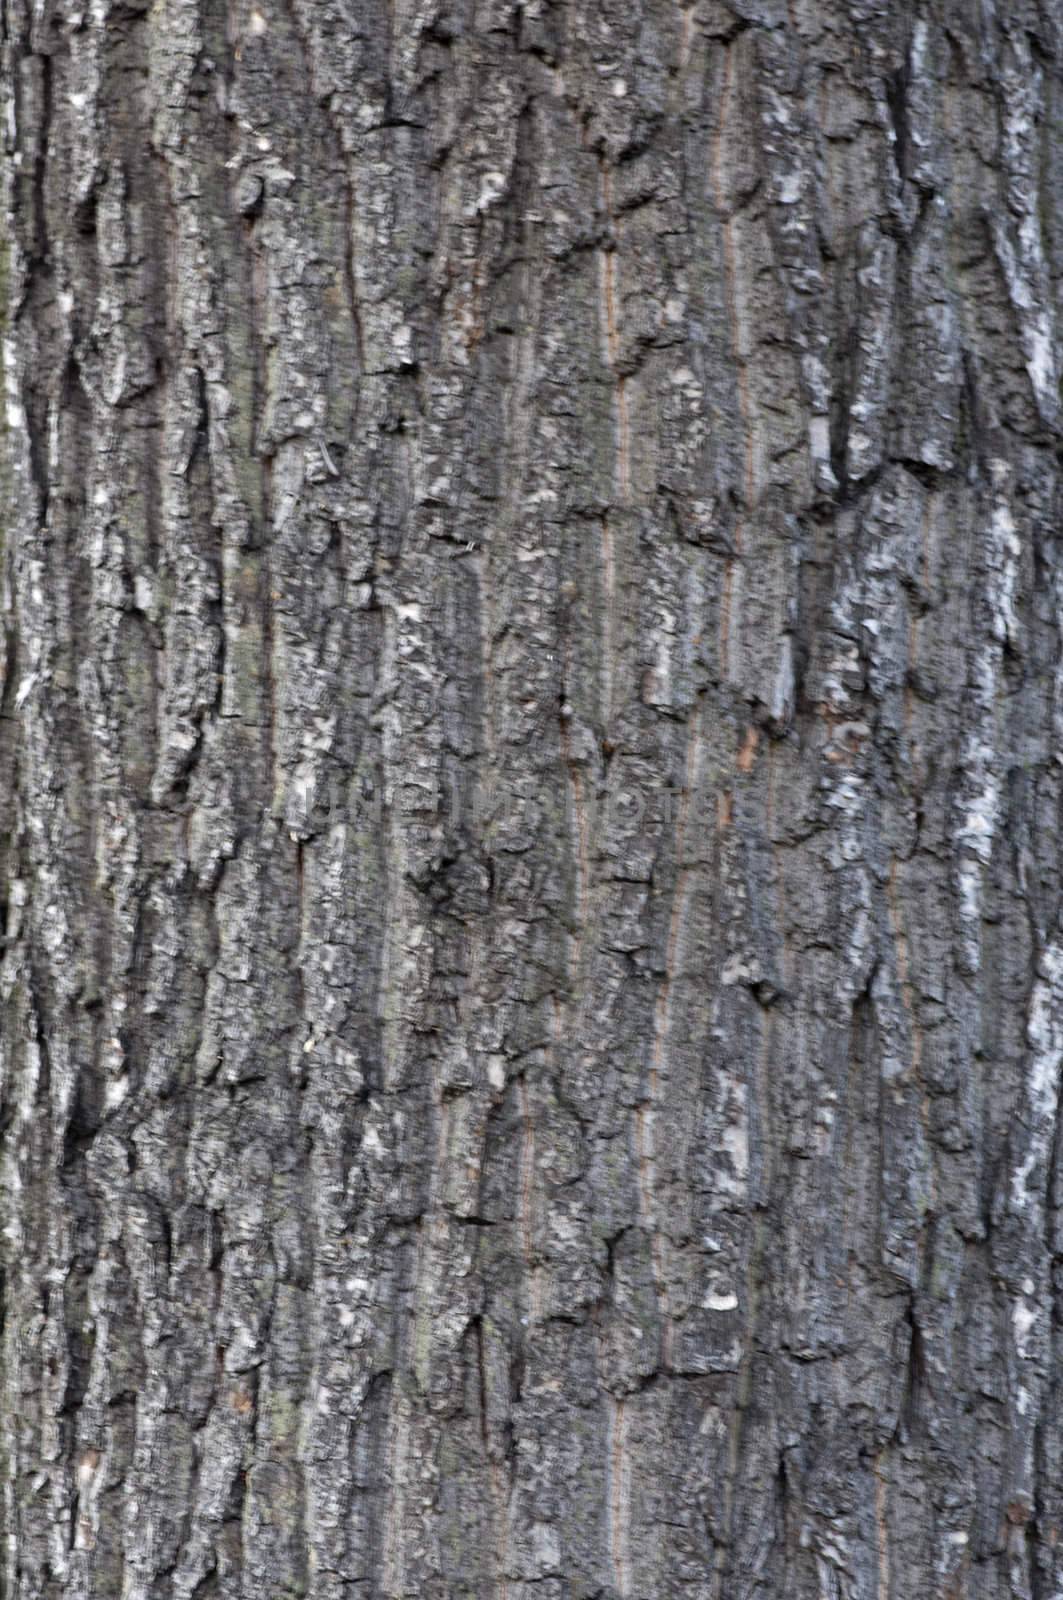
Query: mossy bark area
[532,983]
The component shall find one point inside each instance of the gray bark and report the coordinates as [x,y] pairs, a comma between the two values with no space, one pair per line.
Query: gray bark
[532,981]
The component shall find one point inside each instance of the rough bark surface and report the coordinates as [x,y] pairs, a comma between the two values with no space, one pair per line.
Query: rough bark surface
[531,780]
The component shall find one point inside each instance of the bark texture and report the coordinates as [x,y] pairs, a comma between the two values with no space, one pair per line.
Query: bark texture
[532,983]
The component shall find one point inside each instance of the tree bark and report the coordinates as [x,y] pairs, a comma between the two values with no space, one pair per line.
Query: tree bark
[532,981]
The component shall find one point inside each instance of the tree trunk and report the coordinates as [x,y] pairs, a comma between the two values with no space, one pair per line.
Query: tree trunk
[533,970]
